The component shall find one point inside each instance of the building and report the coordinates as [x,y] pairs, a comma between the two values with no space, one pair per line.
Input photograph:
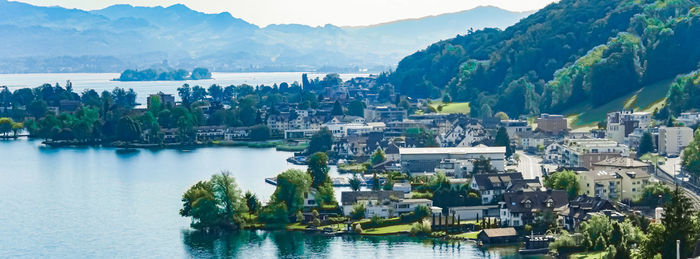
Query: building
[474,212]
[515,127]
[378,200]
[551,123]
[672,140]
[68,105]
[384,113]
[622,123]
[492,185]
[586,152]
[582,208]
[422,160]
[166,100]
[619,178]
[404,187]
[521,208]
[498,235]
[689,119]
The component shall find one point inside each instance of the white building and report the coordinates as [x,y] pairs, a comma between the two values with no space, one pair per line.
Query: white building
[689,118]
[514,127]
[672,140]
[420,160]
[586,152]
[622,123]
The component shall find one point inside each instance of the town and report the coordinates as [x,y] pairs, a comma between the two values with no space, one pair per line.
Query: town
[414,166]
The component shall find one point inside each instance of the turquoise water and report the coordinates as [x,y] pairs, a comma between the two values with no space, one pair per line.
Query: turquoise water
[100,203]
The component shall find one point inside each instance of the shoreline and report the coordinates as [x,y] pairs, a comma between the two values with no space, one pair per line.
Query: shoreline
[279,145]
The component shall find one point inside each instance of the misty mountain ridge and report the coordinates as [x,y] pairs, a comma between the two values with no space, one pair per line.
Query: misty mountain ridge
[56,39]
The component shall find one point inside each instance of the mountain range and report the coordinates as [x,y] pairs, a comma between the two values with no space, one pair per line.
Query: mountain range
[576,57]
[56,39]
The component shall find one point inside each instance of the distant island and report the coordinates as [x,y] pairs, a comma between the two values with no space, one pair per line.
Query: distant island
[159,75]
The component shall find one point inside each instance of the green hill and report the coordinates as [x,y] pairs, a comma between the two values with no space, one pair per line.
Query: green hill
[571,56]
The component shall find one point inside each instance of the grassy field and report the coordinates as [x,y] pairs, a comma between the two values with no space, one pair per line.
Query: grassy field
[588,255]
[646,99]
[451,107]
[395,229]
[468,235]
[653,158]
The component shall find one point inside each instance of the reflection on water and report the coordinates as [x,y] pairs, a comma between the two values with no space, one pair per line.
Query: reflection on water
[294,244]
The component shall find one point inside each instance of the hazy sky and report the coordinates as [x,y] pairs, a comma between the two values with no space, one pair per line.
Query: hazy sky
[314,12]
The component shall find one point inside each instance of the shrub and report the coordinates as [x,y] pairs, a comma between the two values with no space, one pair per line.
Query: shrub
[420,228]
[358,228]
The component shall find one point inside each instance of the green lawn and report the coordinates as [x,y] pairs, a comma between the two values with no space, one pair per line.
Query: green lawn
[645,99]
[468,235]
[352,167]
[588,255]
[451,107]
[652,158]
[395,229]
[299,226]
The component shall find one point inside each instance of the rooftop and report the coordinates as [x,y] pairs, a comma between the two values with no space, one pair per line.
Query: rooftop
[625,162]
[500,232]
[452,150]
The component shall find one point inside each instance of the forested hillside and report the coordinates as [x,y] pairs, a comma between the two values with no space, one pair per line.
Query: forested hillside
[571,52]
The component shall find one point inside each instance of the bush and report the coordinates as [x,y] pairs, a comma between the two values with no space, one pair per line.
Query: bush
[420,228]
[422,195]
[380,222]
[358,228]
[358,211]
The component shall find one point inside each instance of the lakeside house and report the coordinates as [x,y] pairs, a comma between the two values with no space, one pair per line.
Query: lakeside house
[582,208]
[521,208]
[490,186]
[498,235]
[474,212]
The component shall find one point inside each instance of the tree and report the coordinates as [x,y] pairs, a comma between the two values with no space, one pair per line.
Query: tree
[691,155]
[292,185]
[318,168]
[564,180]
[252,202]
[200,73]
[483,166]
[677,219]
[337,109]
[503,140]
[420,137]
[358,211]
[378,157]
[259,132]
[321,141]
[356,108]
[128,129]
[213,204]
[375,183]
[355,183]
[646,145]
[6,125]
[37,108]
[650,195]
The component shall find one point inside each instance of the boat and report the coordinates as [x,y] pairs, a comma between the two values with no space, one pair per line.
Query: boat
[536,244]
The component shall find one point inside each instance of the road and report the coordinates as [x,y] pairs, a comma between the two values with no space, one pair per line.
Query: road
[529,165]
[672,166]
[664,176]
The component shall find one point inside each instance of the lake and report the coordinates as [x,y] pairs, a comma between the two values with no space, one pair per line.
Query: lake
[96,202]
[103,81]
